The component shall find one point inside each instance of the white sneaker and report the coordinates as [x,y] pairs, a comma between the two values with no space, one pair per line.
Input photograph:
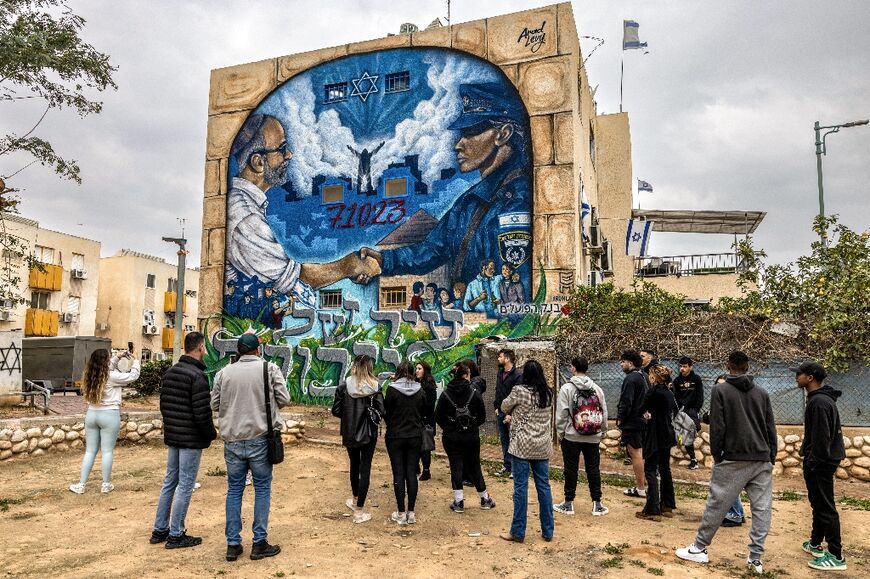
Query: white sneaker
[360,516]
[351,504]
[77,488]
[398,517]
[599,510]
[755,566]
[107,488]
[196,485]
[565,508]
[692,553]
[249,479]
[410,518]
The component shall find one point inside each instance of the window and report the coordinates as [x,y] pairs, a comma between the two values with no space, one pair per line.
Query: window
[592,145]
[150,280]
[398,81]
[172,285]
[396,187]
[146,355]
[40,300]
[330,299]
[190,293]
[394,297]
[333,194]
[335,92]
[78,261]
[43,254]
[73,305]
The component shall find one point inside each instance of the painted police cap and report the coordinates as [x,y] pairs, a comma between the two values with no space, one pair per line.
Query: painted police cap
[484,102]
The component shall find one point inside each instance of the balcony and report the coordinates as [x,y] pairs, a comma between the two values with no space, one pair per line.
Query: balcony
[686,265]
[49,280]
[168,338]
[169,302]
[40,322]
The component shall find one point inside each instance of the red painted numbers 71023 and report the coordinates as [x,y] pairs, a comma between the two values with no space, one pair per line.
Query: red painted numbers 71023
[361,215]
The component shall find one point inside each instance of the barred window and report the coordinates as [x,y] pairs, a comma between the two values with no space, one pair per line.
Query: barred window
[398,81]
[330,299]
[394,297]
[335,92]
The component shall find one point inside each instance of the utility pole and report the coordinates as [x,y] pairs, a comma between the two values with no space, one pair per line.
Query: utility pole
[179,292]
[822,149]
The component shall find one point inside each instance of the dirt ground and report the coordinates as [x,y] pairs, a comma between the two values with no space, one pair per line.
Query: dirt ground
[48,531]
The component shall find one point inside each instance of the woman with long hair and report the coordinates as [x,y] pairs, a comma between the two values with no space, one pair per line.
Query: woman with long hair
[101,388]
[360,405]
[659,408]
[423,375]
[404,404]
[529,413]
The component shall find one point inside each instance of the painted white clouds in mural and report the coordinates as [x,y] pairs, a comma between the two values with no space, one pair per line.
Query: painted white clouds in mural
[319,143]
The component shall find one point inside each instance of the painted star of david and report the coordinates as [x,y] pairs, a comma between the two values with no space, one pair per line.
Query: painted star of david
[364,93]
[635,237]
[515,219]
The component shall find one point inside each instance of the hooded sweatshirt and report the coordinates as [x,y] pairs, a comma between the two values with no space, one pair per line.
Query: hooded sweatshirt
[689,391]
[580,383]
[404,404]
[823,436]
[460,392]
[351,405]
[634,387]
[742,426]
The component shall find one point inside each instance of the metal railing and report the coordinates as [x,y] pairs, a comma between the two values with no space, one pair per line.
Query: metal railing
[680,265]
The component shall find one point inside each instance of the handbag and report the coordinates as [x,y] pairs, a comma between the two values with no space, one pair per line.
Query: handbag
[428,439]
[274,444]
[367,428]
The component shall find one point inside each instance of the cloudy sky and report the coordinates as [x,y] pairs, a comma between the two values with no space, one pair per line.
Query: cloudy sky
[721,109]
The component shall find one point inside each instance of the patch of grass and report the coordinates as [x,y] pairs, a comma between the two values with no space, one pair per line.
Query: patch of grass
[557,474]
[321,422]
[617,480]
[491,440]
[4,504]
[690,491]
[216,471]
[655,571]
[612,563]
[279,574]
[863,504]
[637,563]
[611,549]
[619,454]
[790,496]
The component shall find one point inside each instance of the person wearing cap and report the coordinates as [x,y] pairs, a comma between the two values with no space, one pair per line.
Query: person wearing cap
[490,219]
[238,396]
[822,450]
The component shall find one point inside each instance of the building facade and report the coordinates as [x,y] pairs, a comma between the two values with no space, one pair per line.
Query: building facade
[137,302]
[60,296]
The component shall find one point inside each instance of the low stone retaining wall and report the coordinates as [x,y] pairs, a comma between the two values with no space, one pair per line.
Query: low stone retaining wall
[856,465]
[21,437]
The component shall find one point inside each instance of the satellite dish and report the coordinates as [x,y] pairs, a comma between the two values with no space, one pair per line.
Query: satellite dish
[408,28]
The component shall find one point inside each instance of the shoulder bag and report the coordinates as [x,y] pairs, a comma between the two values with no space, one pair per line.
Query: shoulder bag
[274,444]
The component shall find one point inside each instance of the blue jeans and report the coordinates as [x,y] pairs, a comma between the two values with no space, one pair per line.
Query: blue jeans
[541,471]
[735,513]
[241,456]
[101,433]
[182,464]
[504,435]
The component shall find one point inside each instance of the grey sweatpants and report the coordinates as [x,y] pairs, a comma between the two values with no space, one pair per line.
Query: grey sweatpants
[726,481]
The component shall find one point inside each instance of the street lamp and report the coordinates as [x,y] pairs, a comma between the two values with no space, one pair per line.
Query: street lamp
[179,294]
[821,149]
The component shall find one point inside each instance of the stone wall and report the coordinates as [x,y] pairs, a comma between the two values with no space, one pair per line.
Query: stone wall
[856,465]
[37,436]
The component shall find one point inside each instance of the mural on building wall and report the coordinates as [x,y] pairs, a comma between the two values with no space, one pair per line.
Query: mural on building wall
[372,196]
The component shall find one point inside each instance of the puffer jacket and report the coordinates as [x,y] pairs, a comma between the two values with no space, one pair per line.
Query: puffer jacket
[185,405]
[531,429]
[351,404]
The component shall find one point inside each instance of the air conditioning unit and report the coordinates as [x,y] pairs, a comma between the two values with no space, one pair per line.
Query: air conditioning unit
[67,317]
[5,315]
[606,258]
[189,328]
[594,236]
[103,327]
[158,356]
[79,274]
[593,278]
[150,330]
[7,304]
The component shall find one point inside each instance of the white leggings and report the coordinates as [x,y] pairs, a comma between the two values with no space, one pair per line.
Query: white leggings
[101,433]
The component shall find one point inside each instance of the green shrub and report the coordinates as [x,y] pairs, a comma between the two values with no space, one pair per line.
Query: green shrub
[150,377]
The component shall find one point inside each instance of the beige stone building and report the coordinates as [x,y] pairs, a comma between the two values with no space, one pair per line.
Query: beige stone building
[137,302]
[62,299]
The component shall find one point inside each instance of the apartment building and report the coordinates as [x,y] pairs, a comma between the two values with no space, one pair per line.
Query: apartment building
[137,302]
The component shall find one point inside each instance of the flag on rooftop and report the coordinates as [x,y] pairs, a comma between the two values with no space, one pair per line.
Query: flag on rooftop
[637,237]
[643,186]
[630,39]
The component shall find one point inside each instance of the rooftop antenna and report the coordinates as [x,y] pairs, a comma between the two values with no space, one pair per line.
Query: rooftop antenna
[448,12]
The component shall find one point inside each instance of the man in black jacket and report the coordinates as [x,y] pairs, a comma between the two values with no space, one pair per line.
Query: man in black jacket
[743,445]
[822,450]
[689,393]
[508,376]
[187,429]
[629,418]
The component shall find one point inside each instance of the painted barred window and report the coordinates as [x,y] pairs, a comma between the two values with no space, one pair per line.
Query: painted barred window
[394,297]
[398,81]
[330,299]
[335,92]
[396,187]
[333,194]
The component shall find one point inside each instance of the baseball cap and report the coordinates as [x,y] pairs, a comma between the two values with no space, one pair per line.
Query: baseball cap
[248,343]
[483,102]
[813,369]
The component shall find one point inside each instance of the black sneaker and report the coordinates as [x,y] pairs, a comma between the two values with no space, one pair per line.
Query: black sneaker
[458,506]
[426,475]
[158,536]
[182,541]
[731,523]
[234,552]
[263,549]
[626,461]
[487,503]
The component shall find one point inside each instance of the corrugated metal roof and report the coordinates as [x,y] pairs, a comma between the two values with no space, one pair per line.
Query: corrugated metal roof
[676,221]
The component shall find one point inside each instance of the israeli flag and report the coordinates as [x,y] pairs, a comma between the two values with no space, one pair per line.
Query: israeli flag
[585,214]
[637,237]
[643,186]
[630,39]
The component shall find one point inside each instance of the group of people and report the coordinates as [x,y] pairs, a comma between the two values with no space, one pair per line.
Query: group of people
[247,394]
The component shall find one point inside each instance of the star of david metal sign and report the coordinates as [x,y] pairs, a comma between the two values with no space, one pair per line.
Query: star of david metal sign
[364,85]
[10,359]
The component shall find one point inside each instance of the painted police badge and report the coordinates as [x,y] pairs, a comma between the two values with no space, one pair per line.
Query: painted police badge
[515,239]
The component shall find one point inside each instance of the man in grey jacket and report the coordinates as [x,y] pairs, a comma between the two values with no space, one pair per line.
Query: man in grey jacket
[743,445]
[583,397]
[239,399]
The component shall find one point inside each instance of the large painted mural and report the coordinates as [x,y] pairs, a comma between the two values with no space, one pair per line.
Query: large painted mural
[379,203]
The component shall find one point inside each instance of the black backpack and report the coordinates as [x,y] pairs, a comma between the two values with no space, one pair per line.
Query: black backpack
[462,414]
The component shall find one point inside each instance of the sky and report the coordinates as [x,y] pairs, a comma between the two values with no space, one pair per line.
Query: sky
[721,108]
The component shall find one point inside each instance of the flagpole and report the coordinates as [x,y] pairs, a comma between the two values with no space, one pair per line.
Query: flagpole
[621,74]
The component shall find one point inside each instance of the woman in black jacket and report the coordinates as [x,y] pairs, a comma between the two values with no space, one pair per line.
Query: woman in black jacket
[659,409]
[404,405]
[459,413]
[357,402]
[423,374]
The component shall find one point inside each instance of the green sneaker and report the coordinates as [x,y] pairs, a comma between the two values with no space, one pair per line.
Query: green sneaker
[813,549]
[828,562]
